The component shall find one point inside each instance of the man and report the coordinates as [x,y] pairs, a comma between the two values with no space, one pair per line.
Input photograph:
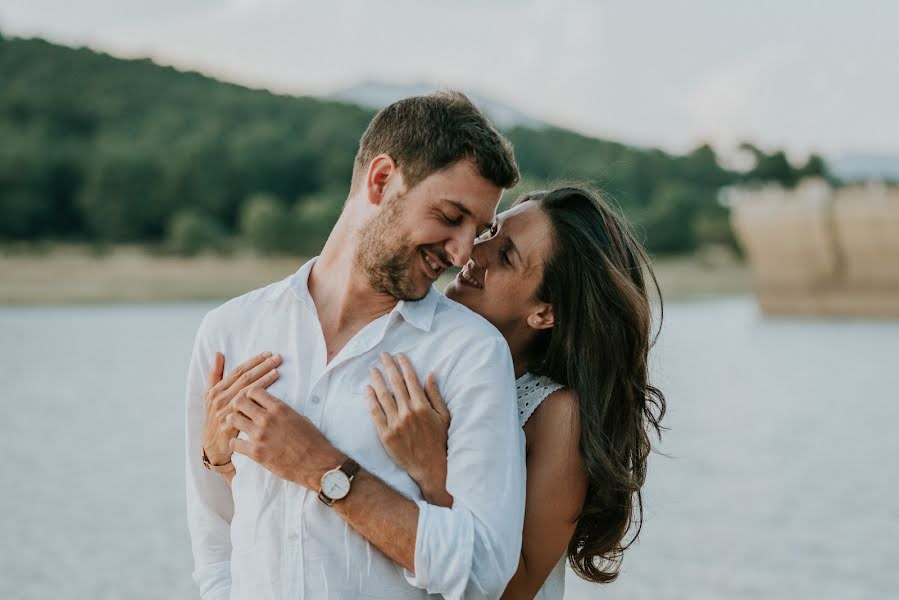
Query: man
[317,509]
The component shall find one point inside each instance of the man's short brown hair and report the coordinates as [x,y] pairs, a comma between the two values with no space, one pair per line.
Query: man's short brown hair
[425,134]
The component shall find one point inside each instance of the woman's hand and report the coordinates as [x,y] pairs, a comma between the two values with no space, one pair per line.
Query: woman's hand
[413,424]
[220,392]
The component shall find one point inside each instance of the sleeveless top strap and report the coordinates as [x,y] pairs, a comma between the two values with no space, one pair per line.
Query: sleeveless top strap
[532,390]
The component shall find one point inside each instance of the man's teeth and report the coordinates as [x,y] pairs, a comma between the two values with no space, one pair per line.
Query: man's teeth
[431,263]
[470,280]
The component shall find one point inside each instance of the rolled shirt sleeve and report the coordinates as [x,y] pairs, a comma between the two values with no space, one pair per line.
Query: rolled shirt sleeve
[472,549]
[209,503]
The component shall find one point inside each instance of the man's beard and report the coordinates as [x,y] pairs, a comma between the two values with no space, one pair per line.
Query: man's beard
[383,257]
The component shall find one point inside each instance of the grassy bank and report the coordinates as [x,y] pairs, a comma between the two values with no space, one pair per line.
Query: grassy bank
[75,274]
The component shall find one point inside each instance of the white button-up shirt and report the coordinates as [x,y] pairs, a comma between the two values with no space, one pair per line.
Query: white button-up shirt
[267,538]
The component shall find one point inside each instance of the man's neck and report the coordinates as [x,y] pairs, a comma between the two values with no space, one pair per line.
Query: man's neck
[344,300]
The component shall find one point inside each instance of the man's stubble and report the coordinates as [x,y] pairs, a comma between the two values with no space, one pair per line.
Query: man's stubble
[384,257]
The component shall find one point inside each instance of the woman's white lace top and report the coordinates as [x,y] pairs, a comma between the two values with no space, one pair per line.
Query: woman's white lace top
[532,390]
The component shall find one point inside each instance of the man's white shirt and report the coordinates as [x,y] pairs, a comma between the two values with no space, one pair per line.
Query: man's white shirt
[267,538]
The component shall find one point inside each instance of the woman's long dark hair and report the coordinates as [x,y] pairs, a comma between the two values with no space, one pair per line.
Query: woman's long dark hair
[595,279]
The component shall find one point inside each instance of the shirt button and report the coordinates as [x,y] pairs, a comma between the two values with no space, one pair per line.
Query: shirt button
[316,399]
[292,536]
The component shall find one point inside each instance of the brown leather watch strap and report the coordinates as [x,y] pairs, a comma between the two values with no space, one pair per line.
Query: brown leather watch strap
[350,467]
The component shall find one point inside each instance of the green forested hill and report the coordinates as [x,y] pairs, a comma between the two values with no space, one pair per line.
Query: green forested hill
[94,147]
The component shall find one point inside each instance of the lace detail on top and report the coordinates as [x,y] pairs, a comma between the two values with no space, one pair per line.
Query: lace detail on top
[532,390]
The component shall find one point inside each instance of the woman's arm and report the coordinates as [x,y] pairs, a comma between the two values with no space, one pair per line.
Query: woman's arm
[412,422]
[556,489]
[261,370]
[413,425]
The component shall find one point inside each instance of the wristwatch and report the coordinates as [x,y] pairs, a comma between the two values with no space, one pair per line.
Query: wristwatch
[336,483]
[222,468]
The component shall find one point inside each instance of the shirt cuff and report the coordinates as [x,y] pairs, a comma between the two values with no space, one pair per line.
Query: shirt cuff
[444,544]
[214,581]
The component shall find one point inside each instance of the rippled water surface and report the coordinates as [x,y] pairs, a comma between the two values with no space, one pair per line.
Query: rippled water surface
[779,479]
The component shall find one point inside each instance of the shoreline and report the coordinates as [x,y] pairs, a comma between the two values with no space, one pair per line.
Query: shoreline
[134,275]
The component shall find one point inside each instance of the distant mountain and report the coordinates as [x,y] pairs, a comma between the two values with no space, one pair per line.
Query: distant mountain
[377,95]
[865,167]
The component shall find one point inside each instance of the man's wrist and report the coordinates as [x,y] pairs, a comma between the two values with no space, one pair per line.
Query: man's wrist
[310,477]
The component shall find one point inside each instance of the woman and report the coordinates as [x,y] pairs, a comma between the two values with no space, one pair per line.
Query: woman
[562,278]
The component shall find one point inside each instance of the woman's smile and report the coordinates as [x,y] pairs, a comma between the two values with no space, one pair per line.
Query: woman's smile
[467,278]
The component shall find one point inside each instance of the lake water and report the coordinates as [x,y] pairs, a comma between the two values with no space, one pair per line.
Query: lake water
[779,478]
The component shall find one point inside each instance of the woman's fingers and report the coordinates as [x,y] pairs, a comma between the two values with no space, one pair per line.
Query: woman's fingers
[396,382]
[242,369]
[413,385]
[268,379]
[217,371]
[249,376]
[435,397]
[384,397]
[374,406]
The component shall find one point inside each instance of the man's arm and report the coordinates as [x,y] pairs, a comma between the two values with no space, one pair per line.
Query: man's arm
[383,516]
[209,502]
[470,550]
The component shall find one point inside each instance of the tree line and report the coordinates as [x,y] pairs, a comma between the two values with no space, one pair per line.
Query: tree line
[99,149]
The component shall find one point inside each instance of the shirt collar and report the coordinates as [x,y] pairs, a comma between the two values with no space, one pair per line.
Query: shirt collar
[299,282]
[418,313]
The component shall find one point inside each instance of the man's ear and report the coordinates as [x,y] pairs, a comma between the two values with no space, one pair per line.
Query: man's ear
[381,170]
[542,317]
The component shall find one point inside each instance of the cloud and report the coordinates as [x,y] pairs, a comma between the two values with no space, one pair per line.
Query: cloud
[729,101]
[243,8]
[661,73]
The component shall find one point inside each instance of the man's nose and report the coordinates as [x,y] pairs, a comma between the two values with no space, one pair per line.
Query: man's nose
[459,249]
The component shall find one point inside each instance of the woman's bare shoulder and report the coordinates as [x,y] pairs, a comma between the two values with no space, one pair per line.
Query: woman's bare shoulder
[556,418]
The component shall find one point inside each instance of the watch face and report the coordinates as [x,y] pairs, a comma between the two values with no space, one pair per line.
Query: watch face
[335,484]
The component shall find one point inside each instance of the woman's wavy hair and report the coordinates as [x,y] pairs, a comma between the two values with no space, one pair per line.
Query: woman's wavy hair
[595,278]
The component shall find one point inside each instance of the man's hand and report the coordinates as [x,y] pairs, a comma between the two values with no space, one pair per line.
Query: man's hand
[281,439]
[220,391]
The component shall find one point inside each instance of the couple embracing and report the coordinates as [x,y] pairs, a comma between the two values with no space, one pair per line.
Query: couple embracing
[372,437]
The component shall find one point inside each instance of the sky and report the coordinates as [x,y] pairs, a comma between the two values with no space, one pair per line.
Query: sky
[807,76]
